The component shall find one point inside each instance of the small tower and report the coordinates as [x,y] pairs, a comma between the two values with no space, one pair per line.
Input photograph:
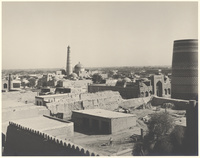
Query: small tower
[68,68]
[9,82]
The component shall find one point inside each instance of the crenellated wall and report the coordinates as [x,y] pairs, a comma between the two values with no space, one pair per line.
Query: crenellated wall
[23,141]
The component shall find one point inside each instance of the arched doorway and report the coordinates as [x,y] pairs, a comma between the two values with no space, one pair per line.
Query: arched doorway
[5,85]
[146,94]
[165,91]
[169,91]
[159,89]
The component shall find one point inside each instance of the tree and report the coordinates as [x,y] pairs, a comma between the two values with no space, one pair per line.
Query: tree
[163,146]
[160,124]
[178,138]
[97,78]
[158,140]
[32,82]
[23,84]
[51,83]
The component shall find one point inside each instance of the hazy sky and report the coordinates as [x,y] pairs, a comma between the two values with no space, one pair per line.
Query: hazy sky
[36,34]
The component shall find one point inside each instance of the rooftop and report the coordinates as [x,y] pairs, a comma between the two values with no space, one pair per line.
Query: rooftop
[103,113]
[41,123]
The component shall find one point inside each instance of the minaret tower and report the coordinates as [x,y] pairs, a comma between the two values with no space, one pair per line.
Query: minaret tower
[68,68]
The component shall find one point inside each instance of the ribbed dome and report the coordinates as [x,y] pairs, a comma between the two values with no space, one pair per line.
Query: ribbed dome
[79,66]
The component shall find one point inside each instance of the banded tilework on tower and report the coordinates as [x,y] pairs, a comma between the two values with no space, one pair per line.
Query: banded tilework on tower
[184,83]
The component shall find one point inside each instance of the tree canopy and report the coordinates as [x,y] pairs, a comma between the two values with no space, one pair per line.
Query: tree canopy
[97,78]
[160,124]
[162,137]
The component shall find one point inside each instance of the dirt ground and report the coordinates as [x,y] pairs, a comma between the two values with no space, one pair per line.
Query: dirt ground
[123,140]
[101,143]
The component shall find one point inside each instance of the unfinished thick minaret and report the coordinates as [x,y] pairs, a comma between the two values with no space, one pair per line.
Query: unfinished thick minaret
[68,68]
[184,81]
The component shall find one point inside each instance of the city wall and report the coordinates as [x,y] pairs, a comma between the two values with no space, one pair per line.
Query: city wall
[22,141]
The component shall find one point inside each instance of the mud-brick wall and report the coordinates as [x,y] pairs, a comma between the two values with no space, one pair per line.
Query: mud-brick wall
[108,100]
[121,123]
[21,141]
[179,104]
[78,86]
[126,93]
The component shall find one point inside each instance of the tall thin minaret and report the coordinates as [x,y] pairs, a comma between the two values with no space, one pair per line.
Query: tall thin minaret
[68,68]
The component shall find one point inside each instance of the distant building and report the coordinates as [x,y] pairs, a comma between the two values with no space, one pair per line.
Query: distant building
[78,84]
[154,85]
[81,72]
[43,99]
[10,84]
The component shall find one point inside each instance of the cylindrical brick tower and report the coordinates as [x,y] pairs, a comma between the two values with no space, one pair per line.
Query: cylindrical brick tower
[184,83]
[68,68]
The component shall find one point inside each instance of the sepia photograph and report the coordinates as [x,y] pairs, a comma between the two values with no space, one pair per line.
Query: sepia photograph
[98,78]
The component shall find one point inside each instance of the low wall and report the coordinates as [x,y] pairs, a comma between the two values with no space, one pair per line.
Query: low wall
[22,141]
[179,104]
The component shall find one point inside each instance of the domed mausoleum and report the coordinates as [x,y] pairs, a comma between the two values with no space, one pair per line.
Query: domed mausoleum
[79,68]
